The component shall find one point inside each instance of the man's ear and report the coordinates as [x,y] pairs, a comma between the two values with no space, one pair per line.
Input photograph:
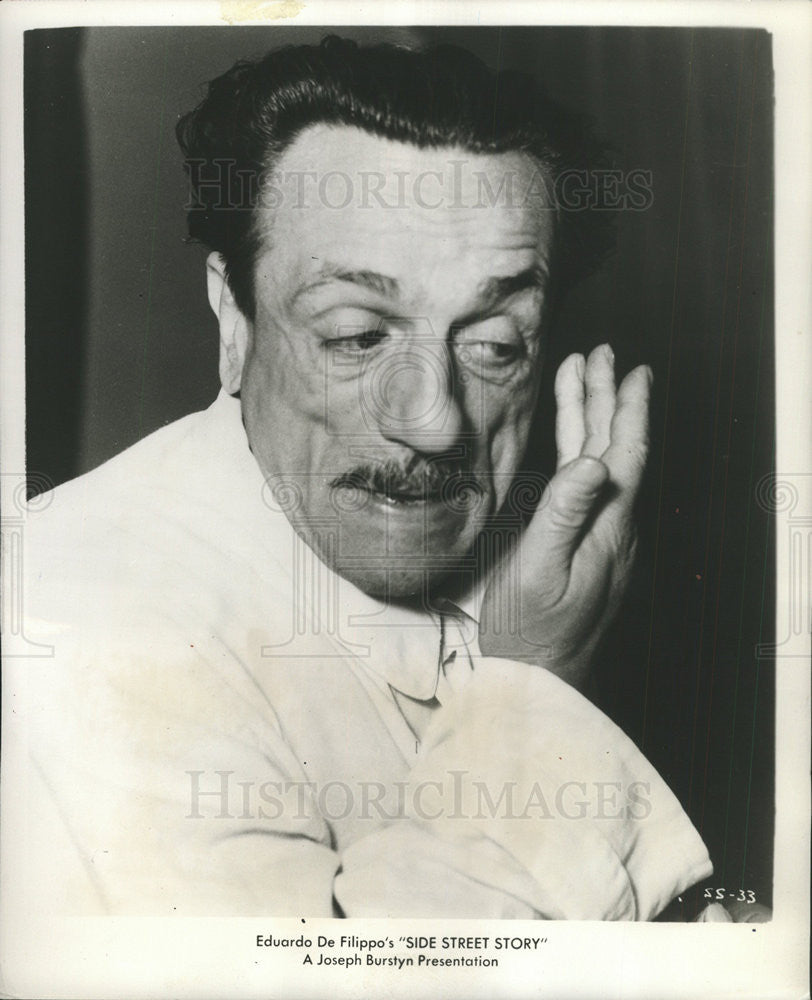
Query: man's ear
[234,327]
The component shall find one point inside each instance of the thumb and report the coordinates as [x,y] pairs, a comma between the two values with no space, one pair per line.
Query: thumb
[565,508]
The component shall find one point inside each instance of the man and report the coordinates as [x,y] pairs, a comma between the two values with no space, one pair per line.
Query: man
[314,653]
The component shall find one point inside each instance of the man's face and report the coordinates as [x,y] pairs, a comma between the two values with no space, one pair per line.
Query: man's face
[392,368]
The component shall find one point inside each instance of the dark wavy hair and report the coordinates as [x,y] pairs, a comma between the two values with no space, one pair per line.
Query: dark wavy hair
[436,97]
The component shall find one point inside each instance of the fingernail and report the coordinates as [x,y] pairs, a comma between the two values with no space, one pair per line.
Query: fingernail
[610,354]
[580,365]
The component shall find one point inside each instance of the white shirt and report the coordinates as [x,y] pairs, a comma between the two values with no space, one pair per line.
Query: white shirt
[218,730]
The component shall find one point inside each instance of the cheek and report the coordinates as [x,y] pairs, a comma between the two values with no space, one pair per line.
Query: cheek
[285,373]
[506,425]
[506,451]
[508,433]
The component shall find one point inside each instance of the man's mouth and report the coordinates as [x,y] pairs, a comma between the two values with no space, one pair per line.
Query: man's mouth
[431,488]
[407,497]
[393,496]
[395,487]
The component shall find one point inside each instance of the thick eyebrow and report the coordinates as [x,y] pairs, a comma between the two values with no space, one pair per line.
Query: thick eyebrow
[372,281]
[492,291]
[489,294]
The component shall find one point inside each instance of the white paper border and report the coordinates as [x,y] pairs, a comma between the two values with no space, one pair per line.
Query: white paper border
[206,957]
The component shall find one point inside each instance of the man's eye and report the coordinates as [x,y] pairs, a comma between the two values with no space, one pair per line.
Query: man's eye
[493,343]
[358,343]
[489,352]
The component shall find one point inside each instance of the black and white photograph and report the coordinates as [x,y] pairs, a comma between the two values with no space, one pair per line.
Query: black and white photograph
[403,556]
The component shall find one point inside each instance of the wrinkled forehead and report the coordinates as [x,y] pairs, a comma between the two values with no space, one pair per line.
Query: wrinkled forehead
[340,194]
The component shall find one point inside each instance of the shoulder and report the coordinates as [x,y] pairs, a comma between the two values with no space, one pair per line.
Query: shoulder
[143,476]
[167,523]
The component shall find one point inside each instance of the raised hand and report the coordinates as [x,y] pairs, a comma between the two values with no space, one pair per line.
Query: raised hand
[571,568]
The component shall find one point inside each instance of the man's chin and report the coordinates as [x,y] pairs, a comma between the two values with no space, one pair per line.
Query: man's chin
[403,555]
[407,583]
[407,571]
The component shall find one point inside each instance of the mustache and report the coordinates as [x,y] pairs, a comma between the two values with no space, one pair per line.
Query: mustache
[415,478]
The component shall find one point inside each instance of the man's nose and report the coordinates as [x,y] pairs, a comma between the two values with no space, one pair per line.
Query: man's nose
[415,397]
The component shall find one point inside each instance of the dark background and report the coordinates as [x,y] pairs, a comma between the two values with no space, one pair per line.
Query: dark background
[120,339]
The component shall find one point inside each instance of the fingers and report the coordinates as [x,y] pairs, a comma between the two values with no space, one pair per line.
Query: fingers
[596,421]
[568,503]
[627,453]
[599,404]
[569,418]
[585,399]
